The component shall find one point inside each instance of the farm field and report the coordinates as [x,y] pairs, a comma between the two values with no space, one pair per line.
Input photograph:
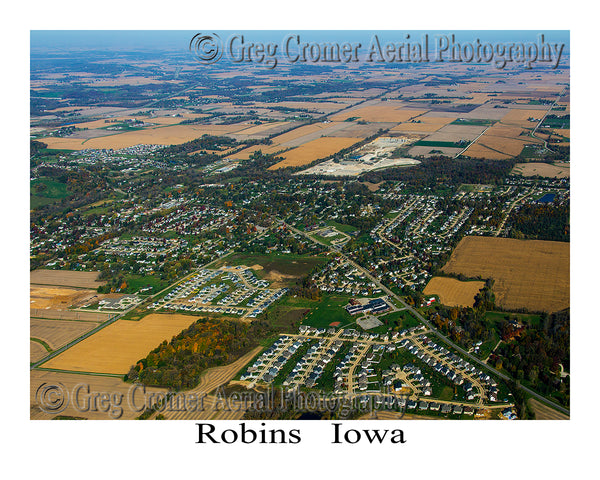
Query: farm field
[452,292]
[380,113]
[521,117]
[115,348]
[57,333]
[558,170]
[429,151]
[78,315]
[97,384]
[423,124]
[542,412]
[479,151]
[531,274]
[165,135]
[57,298]
[455,133]
[509,146]
[36,351]
[314,150]
[65,278]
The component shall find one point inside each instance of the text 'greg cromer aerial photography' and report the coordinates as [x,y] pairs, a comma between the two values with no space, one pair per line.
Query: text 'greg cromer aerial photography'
[264,225]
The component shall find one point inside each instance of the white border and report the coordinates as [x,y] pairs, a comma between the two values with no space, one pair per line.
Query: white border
[449,449]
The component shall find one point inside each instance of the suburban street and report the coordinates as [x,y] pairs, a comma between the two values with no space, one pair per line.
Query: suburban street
[432,328]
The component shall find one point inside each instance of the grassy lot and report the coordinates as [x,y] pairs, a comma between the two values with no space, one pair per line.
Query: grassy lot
[45,190]
[530,319]
[341,226]
[137,282]
[317,313]
[399,320]
[328,310]
[296,266]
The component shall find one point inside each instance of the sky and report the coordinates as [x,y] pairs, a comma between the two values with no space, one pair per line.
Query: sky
[177,39]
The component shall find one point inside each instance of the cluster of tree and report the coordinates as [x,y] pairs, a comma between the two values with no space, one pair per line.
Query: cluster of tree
[466,325]
[541,222]
[535,355]
[206,343]
[206,142]
[443,170]
[35,146]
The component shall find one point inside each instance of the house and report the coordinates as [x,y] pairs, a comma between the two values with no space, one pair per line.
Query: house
[446,408]
[457,410]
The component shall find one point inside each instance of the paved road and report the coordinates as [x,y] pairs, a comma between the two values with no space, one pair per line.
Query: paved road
[441,336]
[118,316]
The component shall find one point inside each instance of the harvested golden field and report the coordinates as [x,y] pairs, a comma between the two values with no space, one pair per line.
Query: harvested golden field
[542,412]
[58,298]
[558,170]
[82,316]
[423,124]
[115,348]
[57,333]
[70,381]
[356,130]
[508,131]
[521,117]
[257,129]
[65,278]
[36,351]
[322,107]
[167,135]
[509,146]
[315,150]
[453,292]
[531,274]
[301,132]
[563,132]
[479,151]
[380,113]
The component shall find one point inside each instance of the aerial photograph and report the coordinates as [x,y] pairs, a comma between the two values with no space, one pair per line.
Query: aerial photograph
[289,225]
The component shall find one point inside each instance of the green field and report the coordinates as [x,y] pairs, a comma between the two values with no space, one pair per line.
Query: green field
[399,320]
[341,226]
[137,282]
[472,121]
[45,190]
[316,313]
